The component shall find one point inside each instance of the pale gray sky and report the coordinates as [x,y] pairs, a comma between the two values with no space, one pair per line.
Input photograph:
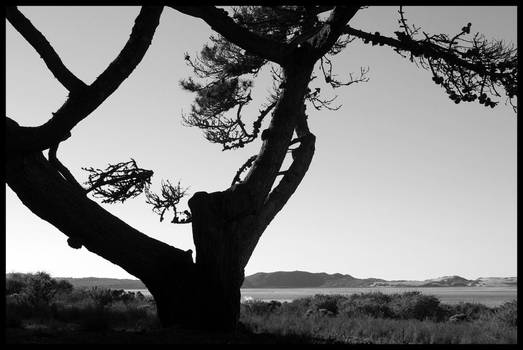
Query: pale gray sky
[404,183]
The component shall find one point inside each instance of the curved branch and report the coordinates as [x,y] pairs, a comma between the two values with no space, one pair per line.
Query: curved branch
[80,104]
[38,41]
[220,21]
[276,138]
[302,157]
[47,194]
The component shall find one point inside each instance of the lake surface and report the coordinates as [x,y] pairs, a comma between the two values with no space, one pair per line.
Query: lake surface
[490,296]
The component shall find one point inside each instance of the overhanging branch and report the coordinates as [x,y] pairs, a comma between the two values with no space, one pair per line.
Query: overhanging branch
[220,21]
[47,194]
[468,68]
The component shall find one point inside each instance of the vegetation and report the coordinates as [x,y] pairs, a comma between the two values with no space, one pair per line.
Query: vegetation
[384,318]
[67,314]
[37,299]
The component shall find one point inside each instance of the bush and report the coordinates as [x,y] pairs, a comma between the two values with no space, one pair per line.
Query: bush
[101,297]
[37,289]
[328,302]
[368,304]
[258,307]
[473,311]
[508,313]
[414,305]
[15,283]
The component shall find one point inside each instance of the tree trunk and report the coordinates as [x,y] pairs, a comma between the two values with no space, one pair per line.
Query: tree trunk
[220,274]
[209,297]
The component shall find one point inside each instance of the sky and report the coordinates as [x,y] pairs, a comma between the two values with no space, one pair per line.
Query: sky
[404,183]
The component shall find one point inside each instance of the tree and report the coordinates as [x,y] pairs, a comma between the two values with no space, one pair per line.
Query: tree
[297,44]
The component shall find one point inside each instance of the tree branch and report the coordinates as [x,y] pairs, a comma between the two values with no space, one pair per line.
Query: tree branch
[80,104]
[302,157]
[47,194]
[276,138]
[469,69]
[38,41]
[411,45]
[220,22]
[328,35]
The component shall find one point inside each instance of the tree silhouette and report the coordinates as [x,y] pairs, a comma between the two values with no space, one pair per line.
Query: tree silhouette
[295,42]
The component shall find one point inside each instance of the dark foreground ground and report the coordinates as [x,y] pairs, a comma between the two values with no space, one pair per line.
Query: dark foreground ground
[167,336]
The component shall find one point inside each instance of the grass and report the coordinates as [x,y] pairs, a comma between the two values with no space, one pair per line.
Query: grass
[39,310]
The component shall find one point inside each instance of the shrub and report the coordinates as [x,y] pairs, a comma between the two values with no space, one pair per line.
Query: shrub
[414,305]
[508,313]
[258,307]
[474,311]
[101,297]
[368,304]
[37,289]
[15,283]
[328,302]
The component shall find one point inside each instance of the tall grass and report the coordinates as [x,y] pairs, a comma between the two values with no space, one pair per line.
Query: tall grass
[407,318]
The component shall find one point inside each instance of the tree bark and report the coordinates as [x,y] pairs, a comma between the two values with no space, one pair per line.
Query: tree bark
[220,275]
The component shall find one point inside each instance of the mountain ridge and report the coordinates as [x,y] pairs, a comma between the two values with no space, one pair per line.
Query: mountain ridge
[286,279]
[304,279]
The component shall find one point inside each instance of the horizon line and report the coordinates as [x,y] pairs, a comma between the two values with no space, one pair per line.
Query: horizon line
[339,273]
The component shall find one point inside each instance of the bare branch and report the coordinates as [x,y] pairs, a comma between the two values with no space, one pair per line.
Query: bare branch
[330,78]
[38,41]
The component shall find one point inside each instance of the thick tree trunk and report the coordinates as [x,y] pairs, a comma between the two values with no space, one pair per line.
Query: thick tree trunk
[220,274]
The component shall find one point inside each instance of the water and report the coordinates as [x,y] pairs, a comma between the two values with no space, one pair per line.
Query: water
[490,296]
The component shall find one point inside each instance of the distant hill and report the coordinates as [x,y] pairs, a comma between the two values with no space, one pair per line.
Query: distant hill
[303,279]
[109,283]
